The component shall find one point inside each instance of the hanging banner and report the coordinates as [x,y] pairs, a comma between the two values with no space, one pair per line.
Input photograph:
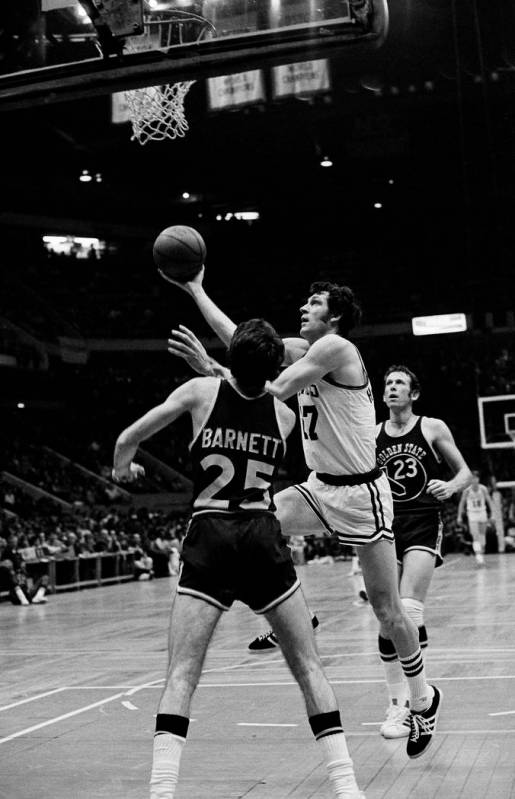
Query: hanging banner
[119,108]
[240,89]
[306,77]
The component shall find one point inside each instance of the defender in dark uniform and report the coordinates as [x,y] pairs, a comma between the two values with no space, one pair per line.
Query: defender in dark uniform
[234,548]
[413,451]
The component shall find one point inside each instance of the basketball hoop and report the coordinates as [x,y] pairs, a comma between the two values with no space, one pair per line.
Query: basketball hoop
[157,112]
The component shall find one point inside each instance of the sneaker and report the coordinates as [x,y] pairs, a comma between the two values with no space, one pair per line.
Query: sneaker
[268,641]
[423,725]
[39,597]
[397,722]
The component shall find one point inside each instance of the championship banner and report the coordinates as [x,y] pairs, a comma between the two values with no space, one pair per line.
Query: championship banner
[119,108]
[307,77]
[240,89]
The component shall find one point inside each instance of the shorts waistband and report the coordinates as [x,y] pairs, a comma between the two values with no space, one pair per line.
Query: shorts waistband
[349,479]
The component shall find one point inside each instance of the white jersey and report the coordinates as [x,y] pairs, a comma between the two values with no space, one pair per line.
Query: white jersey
[338,427]
[475,503]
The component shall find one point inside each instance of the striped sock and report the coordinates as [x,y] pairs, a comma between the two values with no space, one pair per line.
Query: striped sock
[421,694]
[394,675]
[165,765]
[169,740]
[328,731]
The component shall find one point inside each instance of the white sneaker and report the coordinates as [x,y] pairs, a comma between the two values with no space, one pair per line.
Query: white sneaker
[397,722]
[39,598]
[21,596]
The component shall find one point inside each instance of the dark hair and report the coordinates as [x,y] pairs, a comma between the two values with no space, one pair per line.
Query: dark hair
[341,302]
[415,383]
[255,354]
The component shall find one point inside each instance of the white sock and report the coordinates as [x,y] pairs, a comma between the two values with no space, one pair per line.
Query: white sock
[339,765]
[165,765]
[421,694]
[478,551]
[396,683]
[21,596]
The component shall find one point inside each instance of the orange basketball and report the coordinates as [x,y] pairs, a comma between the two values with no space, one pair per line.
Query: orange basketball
[179,251]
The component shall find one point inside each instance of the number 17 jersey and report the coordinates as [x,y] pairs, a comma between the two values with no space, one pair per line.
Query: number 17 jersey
[338,427]
[236,453]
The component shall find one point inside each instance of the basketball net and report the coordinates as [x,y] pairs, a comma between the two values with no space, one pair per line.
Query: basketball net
[157,112]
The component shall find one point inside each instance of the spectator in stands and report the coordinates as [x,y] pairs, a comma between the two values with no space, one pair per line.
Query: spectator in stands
[143,563]
[22,589]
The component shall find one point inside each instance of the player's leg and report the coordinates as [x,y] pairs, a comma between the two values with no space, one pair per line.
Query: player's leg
[415,578]
[378,561]
[192,623]
[478,533]
[357,577]
[291,621]
[299,515]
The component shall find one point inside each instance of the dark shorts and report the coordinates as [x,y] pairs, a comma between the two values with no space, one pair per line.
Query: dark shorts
[237,557]
[418,531]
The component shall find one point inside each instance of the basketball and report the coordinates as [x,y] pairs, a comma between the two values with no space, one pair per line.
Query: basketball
[179,251]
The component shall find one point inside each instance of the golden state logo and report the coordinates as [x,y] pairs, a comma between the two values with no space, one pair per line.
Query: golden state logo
[405,470]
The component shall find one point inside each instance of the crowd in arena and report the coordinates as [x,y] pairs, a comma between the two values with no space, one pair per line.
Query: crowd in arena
[61,443]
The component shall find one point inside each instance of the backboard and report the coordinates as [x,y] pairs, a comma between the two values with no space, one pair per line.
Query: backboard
[56,50]
[497,421]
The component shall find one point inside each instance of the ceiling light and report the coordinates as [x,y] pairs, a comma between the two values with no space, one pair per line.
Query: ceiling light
[20,405]
[186,195]
[85,177]
[378,205]
[326,161]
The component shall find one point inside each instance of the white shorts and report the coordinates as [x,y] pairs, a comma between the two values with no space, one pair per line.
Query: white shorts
[356,514]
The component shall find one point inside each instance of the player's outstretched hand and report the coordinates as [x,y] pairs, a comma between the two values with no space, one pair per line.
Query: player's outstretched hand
[129,475]
[440,490]
[189,285]
[185,344]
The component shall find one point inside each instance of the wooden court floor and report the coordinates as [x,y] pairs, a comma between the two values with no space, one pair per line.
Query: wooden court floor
[80,679]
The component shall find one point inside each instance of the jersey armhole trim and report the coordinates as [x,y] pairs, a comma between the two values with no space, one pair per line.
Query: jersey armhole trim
[334,383]
[208,413]
[281,425]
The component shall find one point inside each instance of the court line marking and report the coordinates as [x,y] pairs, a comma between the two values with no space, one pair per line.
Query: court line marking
[503,713]
[371,681]
[59,718]
[32,698]
[257,724]
[79,710]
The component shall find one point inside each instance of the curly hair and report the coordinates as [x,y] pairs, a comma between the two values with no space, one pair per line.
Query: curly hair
[341,303]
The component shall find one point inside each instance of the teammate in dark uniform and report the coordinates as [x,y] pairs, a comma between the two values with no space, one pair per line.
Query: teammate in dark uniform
[234,548]
[413,451]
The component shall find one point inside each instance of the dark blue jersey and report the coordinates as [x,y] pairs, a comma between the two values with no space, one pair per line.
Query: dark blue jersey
[236,453]
[410,464]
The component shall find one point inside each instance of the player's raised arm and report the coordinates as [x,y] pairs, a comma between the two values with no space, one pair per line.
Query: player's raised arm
[184,344]
[179,401]
[214,316]
[322,357]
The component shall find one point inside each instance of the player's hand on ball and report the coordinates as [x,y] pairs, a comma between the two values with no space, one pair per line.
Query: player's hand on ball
[187,286]
[128,475]
[185,344]
[440,490]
